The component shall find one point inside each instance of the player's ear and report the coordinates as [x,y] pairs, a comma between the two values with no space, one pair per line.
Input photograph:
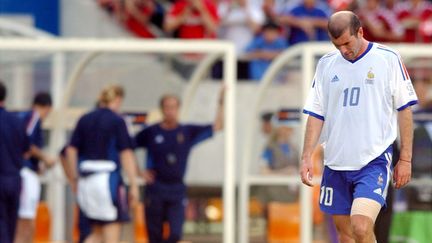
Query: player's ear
[360,33]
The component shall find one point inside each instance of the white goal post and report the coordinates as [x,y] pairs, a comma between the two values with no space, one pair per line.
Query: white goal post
[58,47]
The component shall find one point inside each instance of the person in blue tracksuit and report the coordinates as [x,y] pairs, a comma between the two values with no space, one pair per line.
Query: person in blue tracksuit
[168,145]
[99,149]
[14,143]
[31,186]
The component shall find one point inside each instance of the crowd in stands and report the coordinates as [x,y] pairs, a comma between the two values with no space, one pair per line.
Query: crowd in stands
[246,22]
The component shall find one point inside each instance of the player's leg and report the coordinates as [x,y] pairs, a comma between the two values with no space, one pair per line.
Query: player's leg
[363,216]
[336,199]
[9,194]
[154,216]
[29,199]
[24,230]
[176,217]
[84,226]
[95,236]
[371,185]
[343,227]
[111,232]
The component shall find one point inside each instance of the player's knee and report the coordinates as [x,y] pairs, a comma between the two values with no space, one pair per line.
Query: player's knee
[361,226]
[345,238]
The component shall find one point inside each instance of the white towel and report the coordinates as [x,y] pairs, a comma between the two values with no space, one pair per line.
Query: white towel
[94,195]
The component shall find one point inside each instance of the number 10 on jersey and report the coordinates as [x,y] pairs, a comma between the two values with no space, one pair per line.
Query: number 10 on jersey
[326,196]
[351,96]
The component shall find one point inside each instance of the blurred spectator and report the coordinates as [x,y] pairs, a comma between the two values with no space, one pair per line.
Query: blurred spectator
[273,8]
[116,8]
[144,18]
[307,22]
[111,6]
[240,21]
[263,49]
[266,123]
[379,24]
[420,197]
[192,19]
[416,17]
[340,5]
[280,155]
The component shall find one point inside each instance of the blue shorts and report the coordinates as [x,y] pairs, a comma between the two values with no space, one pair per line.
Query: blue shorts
[340,188]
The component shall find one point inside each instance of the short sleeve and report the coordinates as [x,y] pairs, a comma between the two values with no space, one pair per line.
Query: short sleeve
[76,135]
[36,135]
[314,101]
[122,136]
[402,88]
[200,133]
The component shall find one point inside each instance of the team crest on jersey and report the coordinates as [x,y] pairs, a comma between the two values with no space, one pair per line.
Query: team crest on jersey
[380,180]
[159,139]
[370,79]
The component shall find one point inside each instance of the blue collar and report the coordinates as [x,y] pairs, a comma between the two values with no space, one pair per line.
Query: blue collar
[363,54]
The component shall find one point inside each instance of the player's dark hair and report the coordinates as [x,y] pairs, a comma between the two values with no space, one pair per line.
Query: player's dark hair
[337,28]
[3,91]
[168,96]
[266,116]
[270,25]
[42,99]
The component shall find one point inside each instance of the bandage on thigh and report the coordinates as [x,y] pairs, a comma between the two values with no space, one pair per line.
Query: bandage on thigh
[366,207]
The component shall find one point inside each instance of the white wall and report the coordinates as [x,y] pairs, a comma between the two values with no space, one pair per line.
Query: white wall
[84,18]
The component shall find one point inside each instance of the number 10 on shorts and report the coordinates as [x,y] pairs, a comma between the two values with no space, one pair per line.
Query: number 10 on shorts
[326,196]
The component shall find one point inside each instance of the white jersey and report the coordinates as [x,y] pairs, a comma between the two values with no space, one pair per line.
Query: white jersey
[358,102]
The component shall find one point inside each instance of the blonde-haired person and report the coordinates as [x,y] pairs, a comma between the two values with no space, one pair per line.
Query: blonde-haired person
[101,147]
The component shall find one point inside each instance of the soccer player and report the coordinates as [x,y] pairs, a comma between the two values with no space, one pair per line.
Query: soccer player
[168,145]
[360,94]
[14,143]
[31,186]
[101,147]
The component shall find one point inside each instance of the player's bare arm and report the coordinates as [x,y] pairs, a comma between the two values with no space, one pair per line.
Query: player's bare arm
[72,159]
[313,131]
[218,124]
[128,162]
[402,171]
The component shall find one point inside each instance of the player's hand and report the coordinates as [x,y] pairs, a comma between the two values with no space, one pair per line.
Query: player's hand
[133,195]
[50,162]
[148,176]
[306,172]
[402,173]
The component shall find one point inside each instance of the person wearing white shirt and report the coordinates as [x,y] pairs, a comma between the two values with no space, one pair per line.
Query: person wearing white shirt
[360,95]
[240,21]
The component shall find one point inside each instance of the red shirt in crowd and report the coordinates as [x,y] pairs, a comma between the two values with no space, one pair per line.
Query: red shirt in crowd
[193,27]
[422,11]
[138,28]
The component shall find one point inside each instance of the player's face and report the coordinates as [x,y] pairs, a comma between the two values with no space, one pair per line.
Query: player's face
[116,104]
[349,45]
[44,111]
[170,109]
